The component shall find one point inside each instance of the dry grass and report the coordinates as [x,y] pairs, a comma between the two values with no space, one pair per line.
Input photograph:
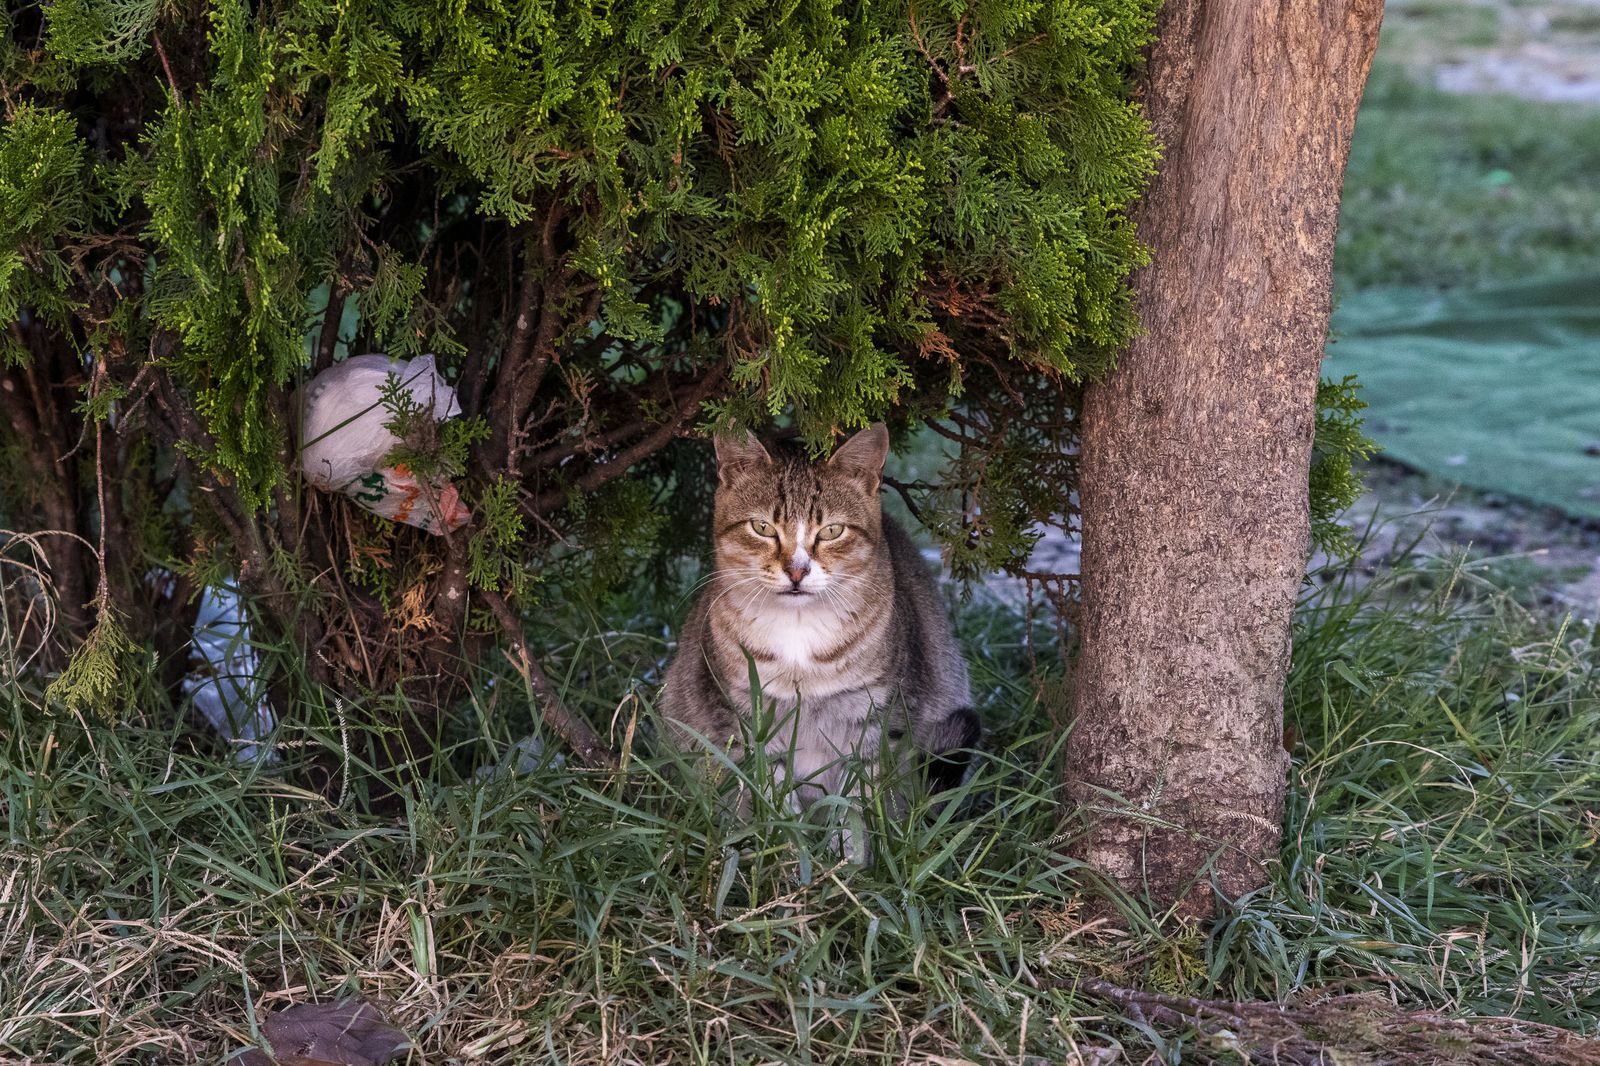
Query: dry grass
[157,899]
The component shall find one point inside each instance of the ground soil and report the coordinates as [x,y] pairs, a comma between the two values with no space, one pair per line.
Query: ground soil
[1557,554]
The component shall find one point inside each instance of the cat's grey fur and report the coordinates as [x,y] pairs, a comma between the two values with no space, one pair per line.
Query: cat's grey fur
[849,630]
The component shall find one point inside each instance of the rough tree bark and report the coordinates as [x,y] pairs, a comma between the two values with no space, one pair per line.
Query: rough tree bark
[1196,448]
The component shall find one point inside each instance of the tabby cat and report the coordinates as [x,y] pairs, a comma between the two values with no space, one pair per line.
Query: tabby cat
[837,609]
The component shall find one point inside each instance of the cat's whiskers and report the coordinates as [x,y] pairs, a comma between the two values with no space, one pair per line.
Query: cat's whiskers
[856,599]
[729,571]
[863,579]
[706,579]
[764,586]
[832,593]
[841,605]
[759,576]
[745,604]
[841,601]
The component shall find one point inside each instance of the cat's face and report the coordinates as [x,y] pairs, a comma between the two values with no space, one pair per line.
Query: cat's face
[799,534]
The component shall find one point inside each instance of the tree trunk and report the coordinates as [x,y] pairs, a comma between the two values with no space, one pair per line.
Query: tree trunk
[1196,449]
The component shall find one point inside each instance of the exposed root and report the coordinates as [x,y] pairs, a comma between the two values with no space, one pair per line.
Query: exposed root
[1363,1027]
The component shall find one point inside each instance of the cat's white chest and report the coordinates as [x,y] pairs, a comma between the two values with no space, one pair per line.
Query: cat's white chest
[798,638]
[811,652]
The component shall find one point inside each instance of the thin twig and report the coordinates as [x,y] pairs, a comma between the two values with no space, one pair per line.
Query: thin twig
[103,593]
[1295,1034]
[177,97]
[923,48]
[332,319]
[905,494]
[620,463]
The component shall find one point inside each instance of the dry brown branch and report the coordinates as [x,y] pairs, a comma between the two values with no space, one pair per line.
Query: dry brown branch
[618,465]
[177,97]
[905,494]
[332,316]
[586,744]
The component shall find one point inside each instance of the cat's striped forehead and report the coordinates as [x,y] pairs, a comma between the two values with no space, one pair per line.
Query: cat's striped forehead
[797,489]
[792,488]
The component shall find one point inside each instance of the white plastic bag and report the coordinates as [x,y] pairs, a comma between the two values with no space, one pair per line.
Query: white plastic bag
[228,689]
[342,427]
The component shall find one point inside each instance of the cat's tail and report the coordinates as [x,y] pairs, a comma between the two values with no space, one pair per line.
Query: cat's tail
[949,753]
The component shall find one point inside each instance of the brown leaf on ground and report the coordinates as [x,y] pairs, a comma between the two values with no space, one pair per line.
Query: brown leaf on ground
[349,1033]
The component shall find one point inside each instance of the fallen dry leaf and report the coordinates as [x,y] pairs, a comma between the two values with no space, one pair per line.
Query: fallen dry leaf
[349,1033]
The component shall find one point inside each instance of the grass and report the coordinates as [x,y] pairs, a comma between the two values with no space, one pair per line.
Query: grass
[1445,776]
[1440,850]
[1445,190]
[1440,847]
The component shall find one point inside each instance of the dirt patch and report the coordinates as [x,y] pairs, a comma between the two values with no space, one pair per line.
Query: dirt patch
[1550,558]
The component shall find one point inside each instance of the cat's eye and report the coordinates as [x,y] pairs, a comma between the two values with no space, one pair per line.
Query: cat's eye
[762,529]
[833,532]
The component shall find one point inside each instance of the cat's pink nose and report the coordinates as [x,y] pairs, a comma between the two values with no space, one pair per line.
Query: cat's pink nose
[797,574]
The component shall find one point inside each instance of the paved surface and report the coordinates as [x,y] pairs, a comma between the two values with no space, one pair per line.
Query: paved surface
[1552,558]
[1544,52]
[1537,50]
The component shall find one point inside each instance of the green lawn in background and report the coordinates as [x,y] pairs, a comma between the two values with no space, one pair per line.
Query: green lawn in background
[1468,267]
[1448,190]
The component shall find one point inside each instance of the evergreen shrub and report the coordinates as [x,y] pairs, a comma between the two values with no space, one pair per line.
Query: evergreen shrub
[619,227]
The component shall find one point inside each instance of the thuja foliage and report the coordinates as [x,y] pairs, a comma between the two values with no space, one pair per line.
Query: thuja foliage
[619,229]
[1334,483]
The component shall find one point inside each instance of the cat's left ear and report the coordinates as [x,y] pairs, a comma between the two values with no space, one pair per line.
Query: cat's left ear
[862,455]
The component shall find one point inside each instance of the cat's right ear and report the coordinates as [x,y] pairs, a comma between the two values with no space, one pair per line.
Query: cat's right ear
[739,452]
[862,455]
